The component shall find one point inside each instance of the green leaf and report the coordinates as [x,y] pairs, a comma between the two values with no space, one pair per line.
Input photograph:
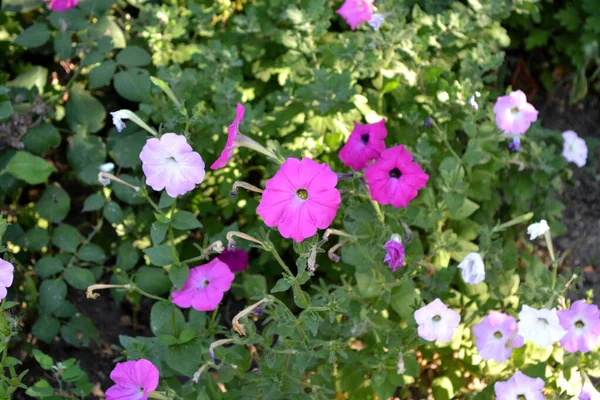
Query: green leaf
[54,205]
[34,239]
[158,231]
[282,285]
[127,194]
[91,253]
[403,299]
[160,255]
[442,388]
[40,389]
[133,85]
[368,284]
[185,220]
[134,56]
[66,238]
[112,212]
[255,285]
[127,255]
[79,331]
[48,266]
[178,274]
[459,207]
[126,149]
[84,113]
[41,139]
[185,358]
[165,200]
[63,45]
[102,74]
[79,278]
[95,7]
[85,151]
[162,318]
[153,280]
[52,294]
[93,202]
[34,36]
[33,77]
[29,168]
[44,360]
[46,328]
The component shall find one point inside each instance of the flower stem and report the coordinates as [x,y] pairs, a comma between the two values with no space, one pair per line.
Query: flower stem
[172,237]
[514,221]
[288,271]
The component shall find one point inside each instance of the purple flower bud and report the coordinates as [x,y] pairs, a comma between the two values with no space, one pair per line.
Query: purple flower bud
[394,253]
[258,311]
[515,145]
[427,122]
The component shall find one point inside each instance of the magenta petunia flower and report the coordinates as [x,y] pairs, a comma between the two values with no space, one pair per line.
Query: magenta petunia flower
[355,12]
[366,143]
[582,322]
[497,337]
[233,131]
[395,178]
[520,386]
[437,321]
[514,115]
[394,253]
[61,5]
[205,286]
[135,380]
[236,260]
[300,198]
[6,277]
[170,163]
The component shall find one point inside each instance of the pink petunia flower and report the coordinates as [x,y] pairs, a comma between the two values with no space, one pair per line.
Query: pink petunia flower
[170,163]
[61,5]
[236,260]
[366,143]
[236,139]
[582,322]
[497,337]
[355,12]
[520,386]
[437,321]
[514,115]
[574,148]
[300,198]
[135,380]
[205,286]
[395,178]
[394,253]
[6,277]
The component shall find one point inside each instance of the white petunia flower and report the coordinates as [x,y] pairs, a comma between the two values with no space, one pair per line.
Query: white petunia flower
[376,21]
[538,229]
[117,119]
[574,148]
[542,326]
[473,269]
[108,167]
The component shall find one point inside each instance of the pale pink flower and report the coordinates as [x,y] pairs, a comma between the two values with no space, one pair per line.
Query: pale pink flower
[520,386]
[205,286]
[395,178]
[588,392]
[355,12]
[170,163]
[497,336]
[6,277]
[135,380]
[236,260]
[300,198]
[582,322]
[366,143]
[574,148]
[514,115]
[437,321]
[61,5]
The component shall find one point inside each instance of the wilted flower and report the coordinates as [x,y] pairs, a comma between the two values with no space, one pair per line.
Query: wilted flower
[542,327]
[107,167]
[61,5]
[497,336]
[537,229]
[574,148]
[236,260]
[437,321]
[135,380]
[366,143]
[515,144]
[394,252]
[520,386]
[300,198]
[395,178]
[117,119]
[588,392]
[514,115]
[205,286]
[376,21]
[582,322]
[170,163]
[401,366]
[472,268]
[355,12]
[473,102]
[6,277]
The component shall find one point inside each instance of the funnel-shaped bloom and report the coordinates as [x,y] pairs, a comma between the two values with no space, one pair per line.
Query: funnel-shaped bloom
[520,386]
[366,143]
[134,380]
[6,277]
[574,148]
[514,115]
[437,321]
[355,12]
[497,337]
[582,322]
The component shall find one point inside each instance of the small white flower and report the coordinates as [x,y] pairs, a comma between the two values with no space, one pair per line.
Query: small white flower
[107,167]
[401,367]
[542,326]
[538,229]
[473,103]
[117,118]
[473,269]
[103,181]
[376,21]
[396,238]
[574,148]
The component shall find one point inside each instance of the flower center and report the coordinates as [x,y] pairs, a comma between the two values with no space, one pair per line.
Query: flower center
[521,397]
[498,335]
[514,110]
[204,283]
[436,318]
[395,173]
[141,390]
[579,324]
[364,138]
[543,321]
[302,193]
